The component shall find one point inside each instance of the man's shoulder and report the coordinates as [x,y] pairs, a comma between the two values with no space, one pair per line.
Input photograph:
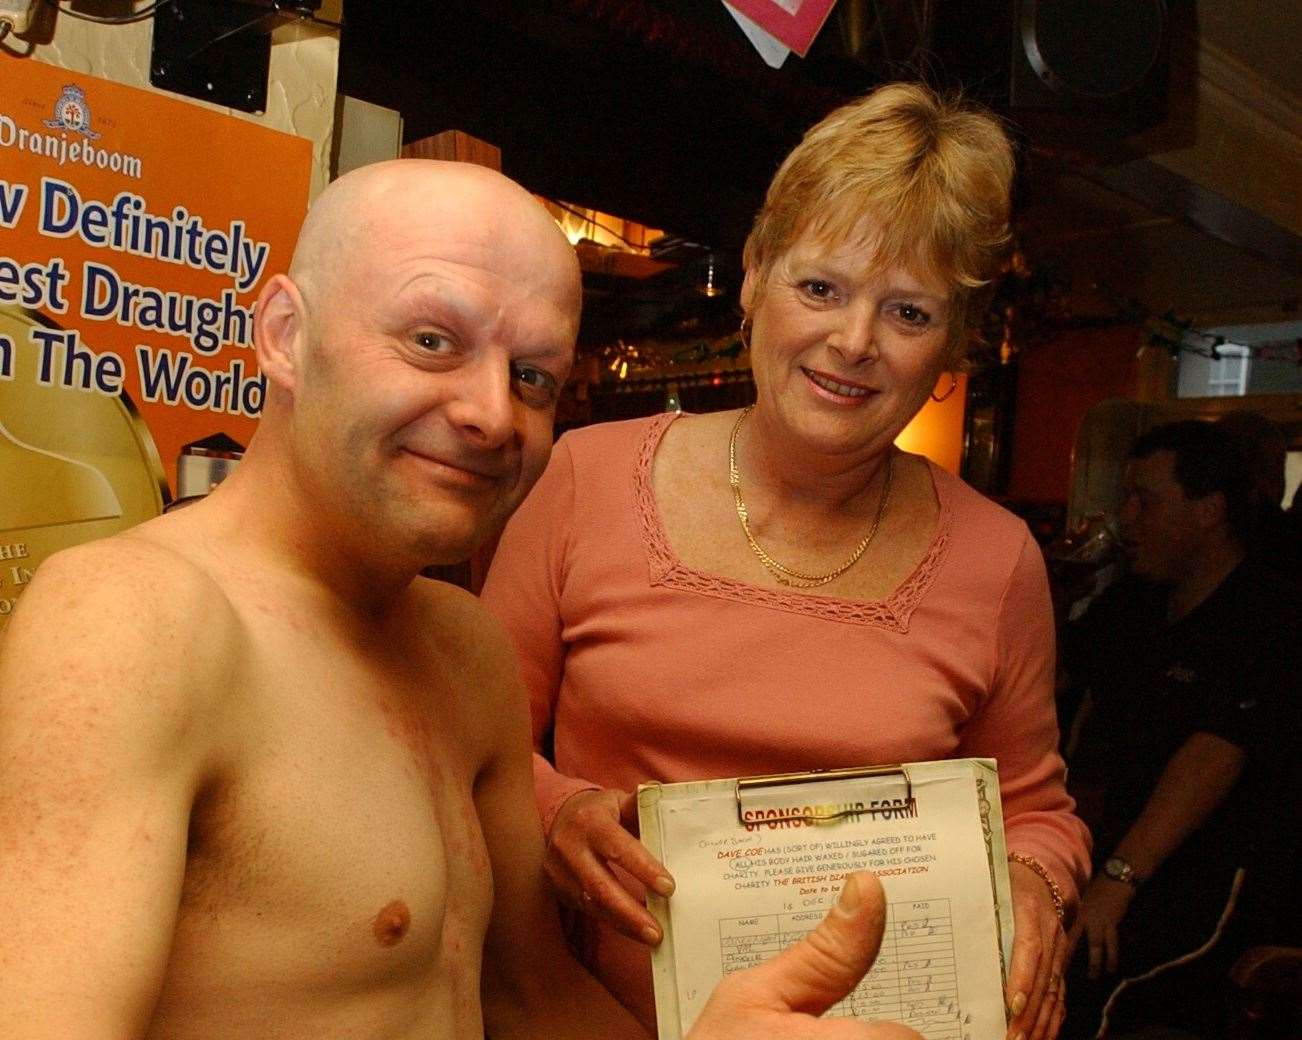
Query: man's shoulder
[459,627]
[449,605]
[130,605]
[1258,586]
[1248,627]
[138,568]
[468,650]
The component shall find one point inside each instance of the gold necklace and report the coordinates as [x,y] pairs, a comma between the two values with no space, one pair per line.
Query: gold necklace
[786,575]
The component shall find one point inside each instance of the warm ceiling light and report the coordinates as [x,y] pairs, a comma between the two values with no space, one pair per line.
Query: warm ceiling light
[710,287]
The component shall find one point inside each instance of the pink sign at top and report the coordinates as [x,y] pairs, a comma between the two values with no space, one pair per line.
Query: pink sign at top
[794,22]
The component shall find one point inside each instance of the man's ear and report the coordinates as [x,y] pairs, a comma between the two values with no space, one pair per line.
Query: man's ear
[1209,511]
[280,331]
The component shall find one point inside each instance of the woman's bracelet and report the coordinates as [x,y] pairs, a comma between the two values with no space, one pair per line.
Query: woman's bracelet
[1055,892]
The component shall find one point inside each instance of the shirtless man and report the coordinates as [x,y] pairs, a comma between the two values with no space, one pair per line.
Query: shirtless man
[257,778]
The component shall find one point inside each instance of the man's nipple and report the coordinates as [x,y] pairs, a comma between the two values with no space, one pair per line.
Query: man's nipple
[392,923]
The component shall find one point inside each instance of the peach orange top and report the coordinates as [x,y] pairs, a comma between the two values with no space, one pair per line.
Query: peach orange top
[640,668]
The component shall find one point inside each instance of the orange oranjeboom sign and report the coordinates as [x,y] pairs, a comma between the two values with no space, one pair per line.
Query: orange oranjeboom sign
[136,230]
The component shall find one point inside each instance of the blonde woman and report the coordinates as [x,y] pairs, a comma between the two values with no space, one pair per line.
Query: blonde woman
[780,588]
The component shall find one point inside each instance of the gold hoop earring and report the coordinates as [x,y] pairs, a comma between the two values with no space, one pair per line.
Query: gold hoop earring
[953,385]
[742,332]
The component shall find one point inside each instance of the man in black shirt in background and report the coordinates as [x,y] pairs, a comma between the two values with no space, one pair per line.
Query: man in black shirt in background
[1183,767]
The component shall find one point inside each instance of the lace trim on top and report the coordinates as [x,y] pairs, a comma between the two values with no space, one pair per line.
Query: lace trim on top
[892,613]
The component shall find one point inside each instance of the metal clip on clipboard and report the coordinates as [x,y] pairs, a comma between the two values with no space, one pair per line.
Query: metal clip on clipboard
[750,795]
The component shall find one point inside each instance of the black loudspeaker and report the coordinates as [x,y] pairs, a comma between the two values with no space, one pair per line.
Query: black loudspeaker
[1094,58]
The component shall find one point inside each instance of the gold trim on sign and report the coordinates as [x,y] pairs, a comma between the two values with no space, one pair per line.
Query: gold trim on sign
[135,421]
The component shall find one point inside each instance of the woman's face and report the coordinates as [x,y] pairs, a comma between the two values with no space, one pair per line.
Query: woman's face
[844,356]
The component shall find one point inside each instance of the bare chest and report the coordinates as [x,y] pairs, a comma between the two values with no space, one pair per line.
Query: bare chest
[338,850]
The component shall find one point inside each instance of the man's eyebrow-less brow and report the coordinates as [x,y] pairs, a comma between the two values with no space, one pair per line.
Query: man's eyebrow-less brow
[428,302]
[558,351]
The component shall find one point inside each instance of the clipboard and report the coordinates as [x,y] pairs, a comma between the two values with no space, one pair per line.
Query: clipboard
[758,860]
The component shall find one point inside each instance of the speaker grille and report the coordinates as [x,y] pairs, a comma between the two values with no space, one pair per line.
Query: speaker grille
[1092,48]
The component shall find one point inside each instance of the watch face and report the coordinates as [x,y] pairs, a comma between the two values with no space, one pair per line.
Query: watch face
[1117,869]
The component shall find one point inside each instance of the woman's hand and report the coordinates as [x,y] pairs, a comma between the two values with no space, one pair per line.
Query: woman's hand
[590,834]
[1035,991]
[1102,909]
[777,1000]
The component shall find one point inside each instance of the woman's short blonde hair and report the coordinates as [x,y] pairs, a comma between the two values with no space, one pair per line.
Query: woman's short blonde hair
[932,173]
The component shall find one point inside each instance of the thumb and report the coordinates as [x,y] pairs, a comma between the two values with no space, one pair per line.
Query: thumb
[828,963]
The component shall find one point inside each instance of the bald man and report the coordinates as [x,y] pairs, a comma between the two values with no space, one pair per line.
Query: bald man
[258,778]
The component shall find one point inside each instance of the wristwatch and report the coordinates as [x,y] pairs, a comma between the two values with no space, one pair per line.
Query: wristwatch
[1119,869]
